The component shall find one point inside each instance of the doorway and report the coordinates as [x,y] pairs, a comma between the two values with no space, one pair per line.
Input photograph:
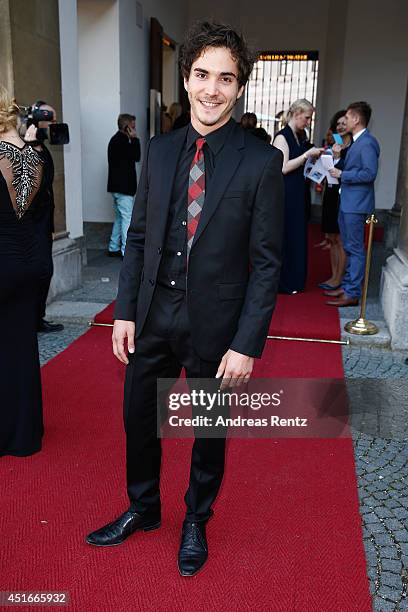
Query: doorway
[169,94]
[278,79]
[163,78]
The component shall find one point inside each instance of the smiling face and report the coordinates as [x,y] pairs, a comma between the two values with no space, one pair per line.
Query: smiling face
[341,126]
[212,89]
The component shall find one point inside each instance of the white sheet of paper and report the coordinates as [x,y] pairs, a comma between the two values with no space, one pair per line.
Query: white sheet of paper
[315,171]
[327,161]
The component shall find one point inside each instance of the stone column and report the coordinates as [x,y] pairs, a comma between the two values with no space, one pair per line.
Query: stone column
[34,32]
[394,281]
[6,57]
[401,196]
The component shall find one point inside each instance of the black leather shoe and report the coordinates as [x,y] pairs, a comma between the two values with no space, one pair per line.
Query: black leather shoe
[114,254]
[193,551]
[116,532]
[46,327]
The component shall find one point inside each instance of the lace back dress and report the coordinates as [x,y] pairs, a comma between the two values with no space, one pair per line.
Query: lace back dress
[21,169]
[21,183]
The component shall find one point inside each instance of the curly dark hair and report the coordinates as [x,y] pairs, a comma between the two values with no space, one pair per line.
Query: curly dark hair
[203,34]
[335,118]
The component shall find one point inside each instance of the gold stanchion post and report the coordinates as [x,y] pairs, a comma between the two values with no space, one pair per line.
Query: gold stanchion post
[361,326]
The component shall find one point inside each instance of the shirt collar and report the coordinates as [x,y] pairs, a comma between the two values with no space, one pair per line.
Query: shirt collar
[358,134]
[215,140]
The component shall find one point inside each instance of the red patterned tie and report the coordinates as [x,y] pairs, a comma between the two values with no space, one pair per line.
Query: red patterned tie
[196,192]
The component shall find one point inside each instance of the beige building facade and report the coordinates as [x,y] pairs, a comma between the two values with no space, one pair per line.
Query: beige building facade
[30,68]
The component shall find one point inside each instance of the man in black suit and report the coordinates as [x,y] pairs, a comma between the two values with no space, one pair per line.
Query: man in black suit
[199,280]
[123,153]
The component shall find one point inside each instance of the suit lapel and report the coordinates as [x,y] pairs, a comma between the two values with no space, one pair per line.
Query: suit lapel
[355,147]
[168,167]
[227,164]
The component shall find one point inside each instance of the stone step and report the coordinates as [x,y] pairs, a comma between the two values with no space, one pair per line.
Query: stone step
[380,340]
[73,312]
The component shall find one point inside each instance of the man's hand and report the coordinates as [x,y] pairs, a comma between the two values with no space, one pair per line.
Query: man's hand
[122,330]
[235,369]
[131,132]
[335,172]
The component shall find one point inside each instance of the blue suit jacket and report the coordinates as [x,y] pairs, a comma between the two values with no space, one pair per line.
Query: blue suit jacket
[359,171]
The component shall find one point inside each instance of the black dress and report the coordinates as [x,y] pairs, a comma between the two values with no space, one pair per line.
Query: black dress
[331,204]
[330,209]
[21,181]
[294,249]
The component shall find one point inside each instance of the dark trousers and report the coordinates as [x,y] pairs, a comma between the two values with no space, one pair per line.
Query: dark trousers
[48,269]
[162,350]
[44,289]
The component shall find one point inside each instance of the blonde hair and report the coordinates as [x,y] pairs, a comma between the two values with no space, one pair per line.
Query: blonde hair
[9,111]
[302,105]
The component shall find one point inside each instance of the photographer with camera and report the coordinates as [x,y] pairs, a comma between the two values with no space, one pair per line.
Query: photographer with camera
[123,153]
[41,117]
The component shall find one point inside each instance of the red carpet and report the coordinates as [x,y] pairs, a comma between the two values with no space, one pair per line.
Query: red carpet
[106,315]
[286,535]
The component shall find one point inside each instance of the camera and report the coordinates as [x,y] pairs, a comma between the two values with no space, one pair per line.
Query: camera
[55,133]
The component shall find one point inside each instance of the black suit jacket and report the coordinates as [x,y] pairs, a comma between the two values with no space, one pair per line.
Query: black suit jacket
[122,156]
[234,263]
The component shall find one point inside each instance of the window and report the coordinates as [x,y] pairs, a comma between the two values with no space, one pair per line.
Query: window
[278,79]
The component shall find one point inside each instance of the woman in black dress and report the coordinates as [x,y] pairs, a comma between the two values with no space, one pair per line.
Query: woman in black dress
[296,150]
[21,174]
[330,208]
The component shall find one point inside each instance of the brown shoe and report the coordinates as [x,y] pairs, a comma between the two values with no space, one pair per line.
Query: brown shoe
[336,293]
[344,301]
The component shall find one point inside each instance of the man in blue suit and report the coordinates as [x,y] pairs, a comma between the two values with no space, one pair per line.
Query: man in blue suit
[357,173]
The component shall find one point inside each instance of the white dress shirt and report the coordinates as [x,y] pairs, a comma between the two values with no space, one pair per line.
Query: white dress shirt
[355,136]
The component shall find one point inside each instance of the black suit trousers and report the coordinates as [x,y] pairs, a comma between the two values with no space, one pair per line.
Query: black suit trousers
[162,350]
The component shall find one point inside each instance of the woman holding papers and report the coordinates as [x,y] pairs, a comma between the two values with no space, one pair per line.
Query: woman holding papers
[337,137]
[296,150]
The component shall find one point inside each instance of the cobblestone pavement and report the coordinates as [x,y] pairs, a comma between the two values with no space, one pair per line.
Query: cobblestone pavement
[99,284]
[361,362]
[382,469]
[99,279]
[51,345]
[381,456]
[380,441]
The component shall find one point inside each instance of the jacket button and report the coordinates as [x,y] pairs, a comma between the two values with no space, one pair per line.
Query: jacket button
[151,281]
[159,250]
